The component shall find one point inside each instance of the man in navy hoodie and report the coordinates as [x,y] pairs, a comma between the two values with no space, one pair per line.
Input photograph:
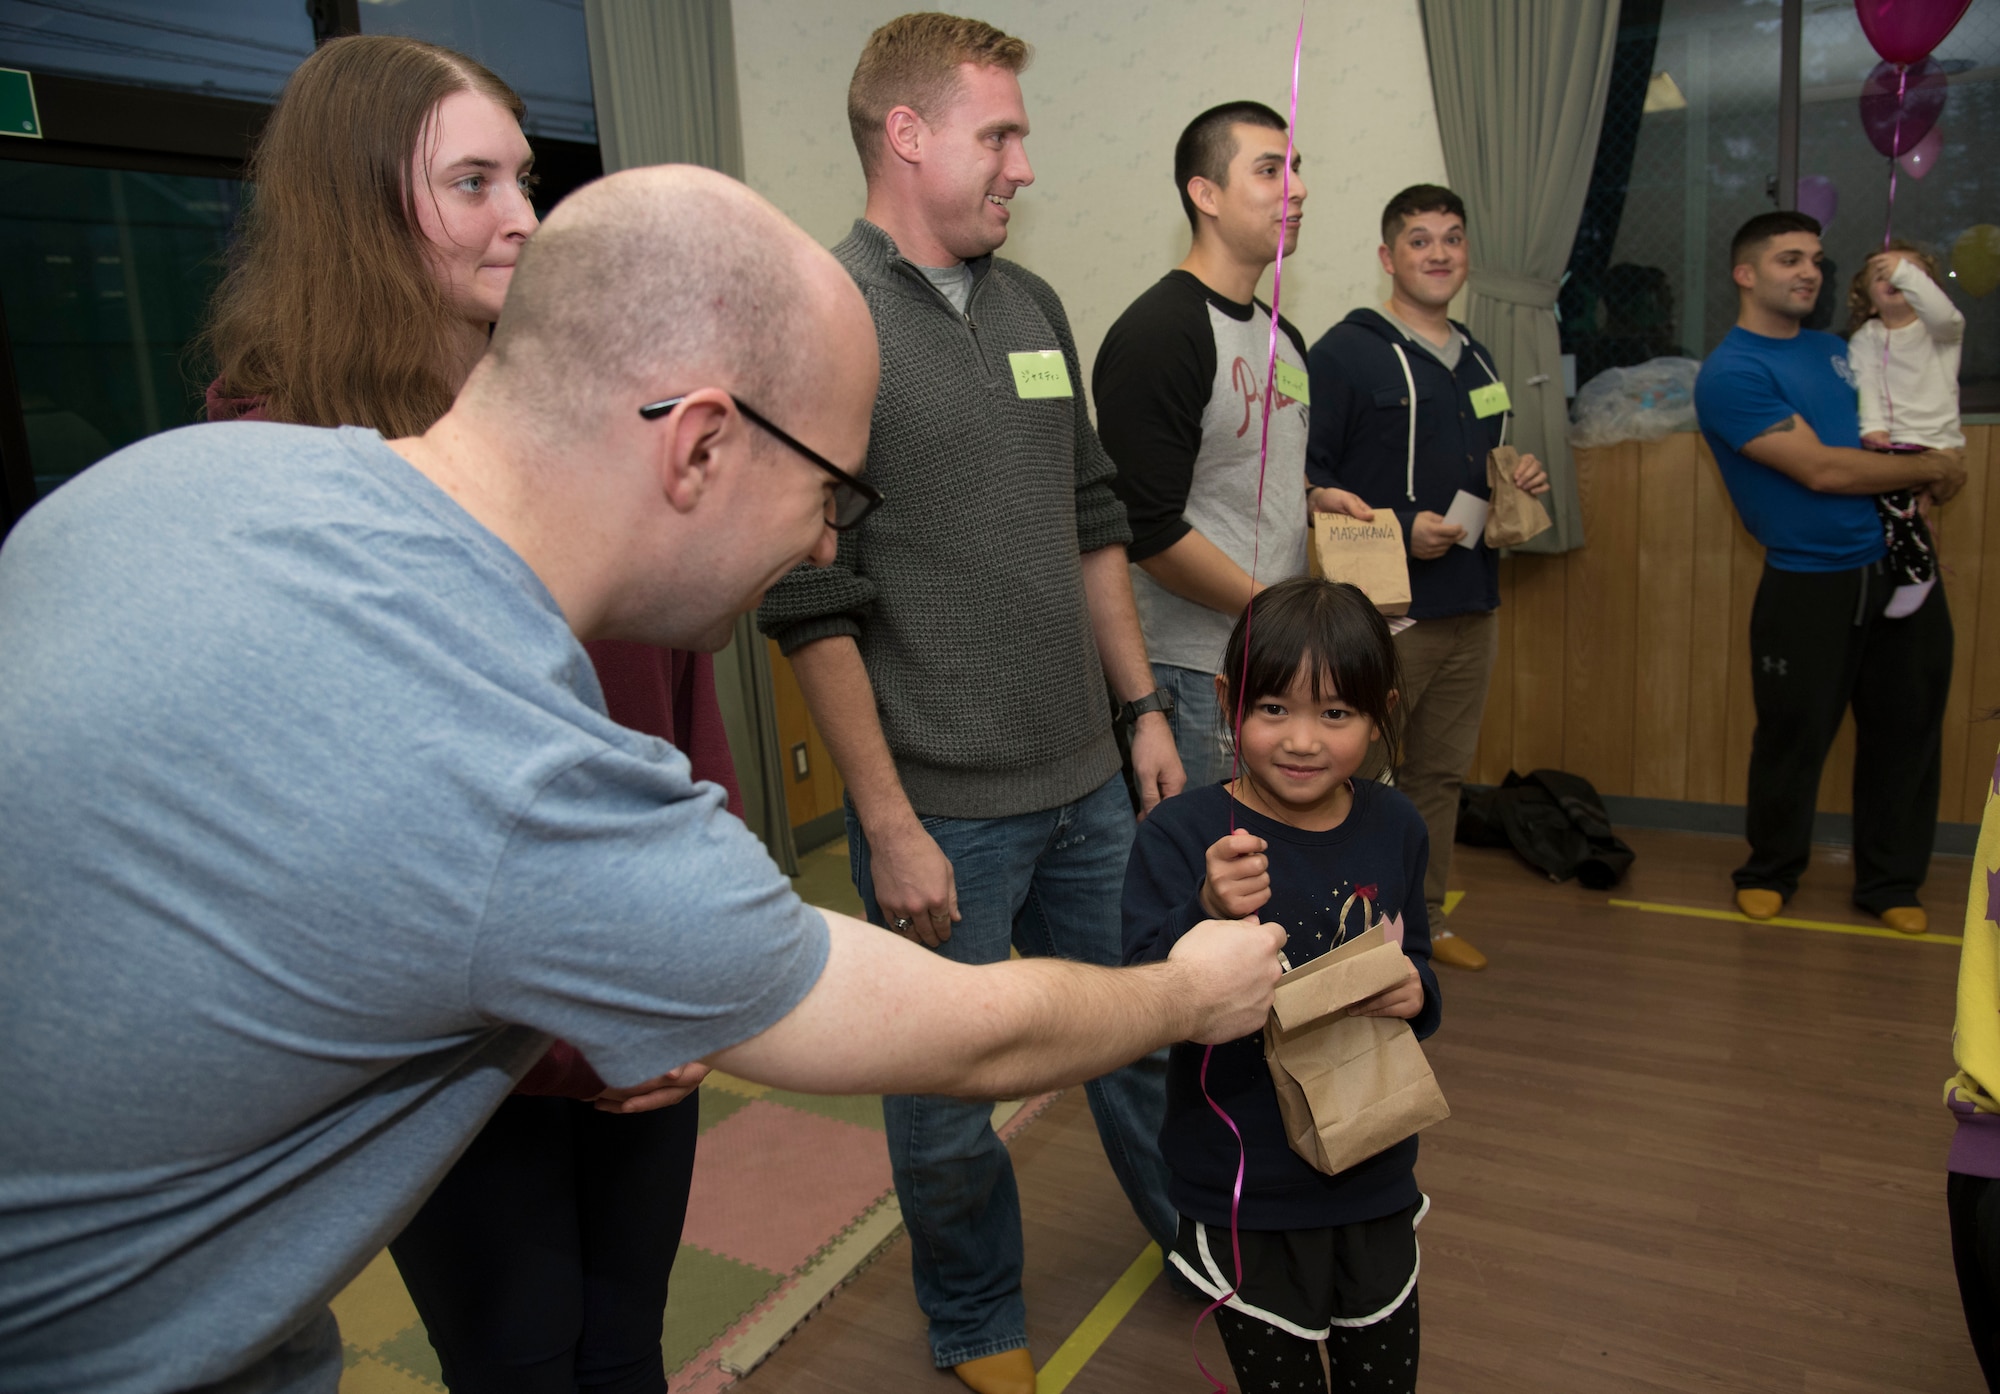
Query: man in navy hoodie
[1405,406]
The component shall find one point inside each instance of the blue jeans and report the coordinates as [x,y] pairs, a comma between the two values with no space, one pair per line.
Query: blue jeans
[1049,883]
[1198,729]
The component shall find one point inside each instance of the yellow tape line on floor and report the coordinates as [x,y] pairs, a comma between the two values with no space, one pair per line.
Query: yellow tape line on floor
[1823,926]
[1073,1354]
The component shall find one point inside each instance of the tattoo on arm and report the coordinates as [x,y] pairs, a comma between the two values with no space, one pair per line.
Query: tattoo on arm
[1789,423]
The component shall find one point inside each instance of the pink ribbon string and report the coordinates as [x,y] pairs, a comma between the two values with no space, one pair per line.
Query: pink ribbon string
[1235,1237]
[1895,144]
[1270,387]
[1243,678]
[1888,233]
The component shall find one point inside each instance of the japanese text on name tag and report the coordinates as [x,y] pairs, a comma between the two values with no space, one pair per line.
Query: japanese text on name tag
[1041,374]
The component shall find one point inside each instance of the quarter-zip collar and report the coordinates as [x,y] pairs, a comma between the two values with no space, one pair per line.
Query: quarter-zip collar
[889,266]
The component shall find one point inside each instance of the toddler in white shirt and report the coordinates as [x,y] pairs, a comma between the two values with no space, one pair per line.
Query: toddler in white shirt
[1903,345]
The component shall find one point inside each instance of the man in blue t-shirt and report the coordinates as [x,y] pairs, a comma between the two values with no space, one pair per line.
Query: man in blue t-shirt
[316,830]
[1777,406]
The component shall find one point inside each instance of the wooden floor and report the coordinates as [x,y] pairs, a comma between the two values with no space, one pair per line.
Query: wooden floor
[1685,1154]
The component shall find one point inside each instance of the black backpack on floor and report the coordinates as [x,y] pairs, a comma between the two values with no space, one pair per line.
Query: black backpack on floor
[1554,820]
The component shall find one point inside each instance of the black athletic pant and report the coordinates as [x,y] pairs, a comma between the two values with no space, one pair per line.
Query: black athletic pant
[1974,1205]
[540,1263]
[1377,1359]
[1818,642]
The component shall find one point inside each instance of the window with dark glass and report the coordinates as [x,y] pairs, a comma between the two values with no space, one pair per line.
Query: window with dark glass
[115,226]
[538,46]
[1693,146]
[223,48]
[105,275]
[1941,208]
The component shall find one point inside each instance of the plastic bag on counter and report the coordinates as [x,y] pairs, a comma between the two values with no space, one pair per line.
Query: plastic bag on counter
[1643,402]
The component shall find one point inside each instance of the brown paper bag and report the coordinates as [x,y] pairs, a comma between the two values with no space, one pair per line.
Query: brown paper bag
[1348,1086]
[1367,555]
[1516,515]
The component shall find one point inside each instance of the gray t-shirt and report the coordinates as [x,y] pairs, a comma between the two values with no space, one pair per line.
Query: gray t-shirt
[954,281]
[1447,353]
[314,832]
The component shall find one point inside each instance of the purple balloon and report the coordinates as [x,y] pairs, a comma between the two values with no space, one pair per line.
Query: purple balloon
[1818,199]
[1896,122]
[1906,31]
[1921,158]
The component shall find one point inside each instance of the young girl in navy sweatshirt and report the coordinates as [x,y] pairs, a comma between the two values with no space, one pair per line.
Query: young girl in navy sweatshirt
[1324,1258]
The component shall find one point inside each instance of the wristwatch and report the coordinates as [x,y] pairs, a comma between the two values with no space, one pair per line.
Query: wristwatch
[1158,700]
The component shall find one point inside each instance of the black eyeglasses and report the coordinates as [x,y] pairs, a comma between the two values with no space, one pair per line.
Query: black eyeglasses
[853,499]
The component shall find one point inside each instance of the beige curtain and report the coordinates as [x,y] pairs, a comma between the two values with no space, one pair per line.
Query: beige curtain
[1520,87]
[663,80]
[663,77]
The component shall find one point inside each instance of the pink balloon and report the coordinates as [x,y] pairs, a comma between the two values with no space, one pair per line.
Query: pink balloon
[1818,199]
[1895,123]
[1919,158]
[1906,31]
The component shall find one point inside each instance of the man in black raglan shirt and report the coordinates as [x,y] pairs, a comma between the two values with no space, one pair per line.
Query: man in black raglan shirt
[1179,385]
[1369,439]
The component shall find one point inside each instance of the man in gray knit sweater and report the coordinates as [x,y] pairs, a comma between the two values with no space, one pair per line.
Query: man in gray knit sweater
[956,653]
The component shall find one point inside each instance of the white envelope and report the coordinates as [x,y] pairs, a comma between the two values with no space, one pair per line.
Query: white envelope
[1469,512]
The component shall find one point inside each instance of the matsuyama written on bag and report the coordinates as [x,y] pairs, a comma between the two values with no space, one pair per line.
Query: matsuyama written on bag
[1516,515]
[1348,1086]
[1368,556]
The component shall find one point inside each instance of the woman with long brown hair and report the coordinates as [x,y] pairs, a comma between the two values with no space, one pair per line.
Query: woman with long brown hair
[391,202]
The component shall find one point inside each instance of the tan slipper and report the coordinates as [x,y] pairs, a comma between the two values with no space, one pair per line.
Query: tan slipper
[1907,919]
[1452,949]
[1009,1372]
[1759,904]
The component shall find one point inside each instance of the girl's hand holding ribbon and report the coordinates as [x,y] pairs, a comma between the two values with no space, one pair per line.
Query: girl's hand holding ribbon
[1239,876]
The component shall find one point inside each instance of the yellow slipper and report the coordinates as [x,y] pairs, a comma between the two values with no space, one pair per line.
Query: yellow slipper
[1759,904]
[1009,1372]
[1907,919]
[1452,948]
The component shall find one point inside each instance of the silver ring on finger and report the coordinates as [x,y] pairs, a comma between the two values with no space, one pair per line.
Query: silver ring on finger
[902,924]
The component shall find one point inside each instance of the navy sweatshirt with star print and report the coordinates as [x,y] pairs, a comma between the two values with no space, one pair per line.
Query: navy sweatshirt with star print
[1380,844]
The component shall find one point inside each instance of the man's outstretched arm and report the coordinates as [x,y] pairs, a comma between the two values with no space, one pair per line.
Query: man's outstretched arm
[888,1017]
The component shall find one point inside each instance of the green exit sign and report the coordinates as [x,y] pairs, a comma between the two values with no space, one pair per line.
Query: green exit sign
[18,116]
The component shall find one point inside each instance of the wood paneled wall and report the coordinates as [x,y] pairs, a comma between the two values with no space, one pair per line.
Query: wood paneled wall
[818,791]
[1628,661]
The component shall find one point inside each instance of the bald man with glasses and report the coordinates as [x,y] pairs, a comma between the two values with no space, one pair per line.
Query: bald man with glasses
[323,832]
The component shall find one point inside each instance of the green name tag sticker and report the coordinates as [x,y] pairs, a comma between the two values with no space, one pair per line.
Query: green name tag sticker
[1491,399]
[1294,383]
[1041,374]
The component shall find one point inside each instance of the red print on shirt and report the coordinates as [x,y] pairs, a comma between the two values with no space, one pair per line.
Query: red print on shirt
[1243,378]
